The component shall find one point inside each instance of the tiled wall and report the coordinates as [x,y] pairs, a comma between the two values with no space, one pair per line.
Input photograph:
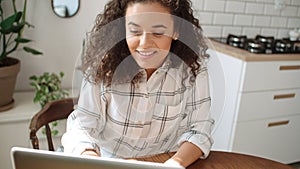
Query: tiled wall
[247,17]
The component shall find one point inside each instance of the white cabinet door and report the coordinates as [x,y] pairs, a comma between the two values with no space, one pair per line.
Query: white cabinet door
[277,139]
[261,76]
[269,104]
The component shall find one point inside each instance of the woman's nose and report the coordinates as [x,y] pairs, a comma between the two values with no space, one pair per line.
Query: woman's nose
[146,39]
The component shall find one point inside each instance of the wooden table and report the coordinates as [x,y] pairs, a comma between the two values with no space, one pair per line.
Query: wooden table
[225,160]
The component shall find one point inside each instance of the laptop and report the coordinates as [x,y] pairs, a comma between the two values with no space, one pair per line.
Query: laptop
[26,158]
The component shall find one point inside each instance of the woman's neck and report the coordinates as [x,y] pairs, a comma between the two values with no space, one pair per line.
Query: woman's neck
[149,72]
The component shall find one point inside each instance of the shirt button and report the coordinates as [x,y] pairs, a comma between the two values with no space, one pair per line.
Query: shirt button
[146,95]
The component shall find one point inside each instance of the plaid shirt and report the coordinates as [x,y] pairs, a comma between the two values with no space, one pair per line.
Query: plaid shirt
[155,116]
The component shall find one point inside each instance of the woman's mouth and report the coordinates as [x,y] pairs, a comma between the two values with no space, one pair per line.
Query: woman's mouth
[146,53]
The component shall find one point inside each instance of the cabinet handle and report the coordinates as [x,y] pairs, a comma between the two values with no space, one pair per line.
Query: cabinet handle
[278,123]
[284,96]
[292,67]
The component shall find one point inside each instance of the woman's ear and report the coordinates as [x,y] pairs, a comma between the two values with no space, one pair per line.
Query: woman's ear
[175,35]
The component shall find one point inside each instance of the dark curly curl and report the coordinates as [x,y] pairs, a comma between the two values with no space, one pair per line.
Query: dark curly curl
[107,46]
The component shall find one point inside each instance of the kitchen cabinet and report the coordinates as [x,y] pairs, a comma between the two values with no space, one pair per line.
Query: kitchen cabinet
[262,108]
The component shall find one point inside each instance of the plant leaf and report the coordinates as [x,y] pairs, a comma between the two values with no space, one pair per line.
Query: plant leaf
[33,51]
[17,28]
[22,40]
[33,77]
[33,84]
[44,130]
[37,98]
[54,132]
[13,29]
[9,21]
[54,123]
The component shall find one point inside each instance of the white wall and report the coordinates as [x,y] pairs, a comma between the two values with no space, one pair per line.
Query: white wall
[60,39]
[248,17]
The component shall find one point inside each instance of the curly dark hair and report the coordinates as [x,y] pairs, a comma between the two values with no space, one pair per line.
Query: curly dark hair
[107,46]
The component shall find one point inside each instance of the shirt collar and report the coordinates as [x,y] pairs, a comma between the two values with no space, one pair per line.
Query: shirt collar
[166,65]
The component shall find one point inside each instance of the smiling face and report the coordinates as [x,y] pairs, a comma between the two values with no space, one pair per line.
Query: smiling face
[149,33]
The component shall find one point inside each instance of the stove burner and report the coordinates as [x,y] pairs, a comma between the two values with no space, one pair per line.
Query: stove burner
[237,41]
[283,46]
[254,46]
[267,41]
[262,44]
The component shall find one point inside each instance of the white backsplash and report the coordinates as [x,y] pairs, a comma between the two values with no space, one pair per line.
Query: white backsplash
[247,17]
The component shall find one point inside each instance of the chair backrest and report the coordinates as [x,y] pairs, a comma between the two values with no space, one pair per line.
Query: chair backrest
[52,111]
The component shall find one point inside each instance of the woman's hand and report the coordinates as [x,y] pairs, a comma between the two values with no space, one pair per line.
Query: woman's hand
[187,154]
[90,153]
[172,162]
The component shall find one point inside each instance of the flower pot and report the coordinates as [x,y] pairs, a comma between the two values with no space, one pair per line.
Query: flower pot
[8,76]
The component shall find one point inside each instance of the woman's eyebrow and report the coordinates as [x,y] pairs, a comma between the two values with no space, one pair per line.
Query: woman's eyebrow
[154,26]
[134,24]
[159,26]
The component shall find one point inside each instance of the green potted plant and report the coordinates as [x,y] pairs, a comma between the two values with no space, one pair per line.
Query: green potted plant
[48,88]
[11,39]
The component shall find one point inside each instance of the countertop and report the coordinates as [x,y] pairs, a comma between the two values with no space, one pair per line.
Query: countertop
[247,56]
[23,108]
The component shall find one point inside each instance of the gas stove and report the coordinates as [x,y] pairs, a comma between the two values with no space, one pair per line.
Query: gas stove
[262,44]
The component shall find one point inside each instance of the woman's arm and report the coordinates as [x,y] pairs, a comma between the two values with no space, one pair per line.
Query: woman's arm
[83,122]
[196,143]
[186,155]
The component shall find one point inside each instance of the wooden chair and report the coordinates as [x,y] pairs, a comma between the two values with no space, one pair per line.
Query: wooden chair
[52,111]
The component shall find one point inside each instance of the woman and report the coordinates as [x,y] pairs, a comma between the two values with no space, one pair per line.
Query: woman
[145,89]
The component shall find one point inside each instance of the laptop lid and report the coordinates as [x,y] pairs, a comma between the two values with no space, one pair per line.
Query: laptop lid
[25,158]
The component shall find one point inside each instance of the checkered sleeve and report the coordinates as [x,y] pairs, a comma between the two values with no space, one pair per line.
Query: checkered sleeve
[199,122]
[83,123]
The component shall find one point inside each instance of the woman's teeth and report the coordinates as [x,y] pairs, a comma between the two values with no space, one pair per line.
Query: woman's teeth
[146,53]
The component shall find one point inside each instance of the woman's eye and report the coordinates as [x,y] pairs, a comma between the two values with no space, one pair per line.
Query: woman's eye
[135,32]
[158,33]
